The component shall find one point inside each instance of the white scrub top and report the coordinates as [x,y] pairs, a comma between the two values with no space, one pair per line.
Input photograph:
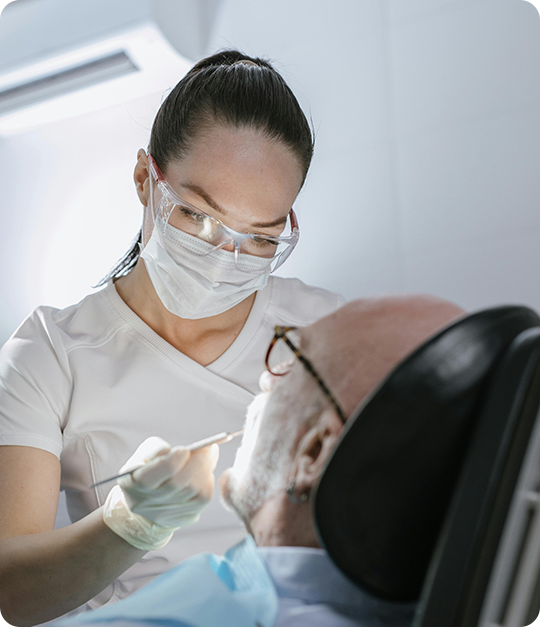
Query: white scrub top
[89,383]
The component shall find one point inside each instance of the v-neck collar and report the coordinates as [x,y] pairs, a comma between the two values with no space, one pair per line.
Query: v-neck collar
[252,324]
[209,374]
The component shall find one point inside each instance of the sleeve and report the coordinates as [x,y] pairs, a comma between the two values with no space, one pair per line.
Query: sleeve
[35,385]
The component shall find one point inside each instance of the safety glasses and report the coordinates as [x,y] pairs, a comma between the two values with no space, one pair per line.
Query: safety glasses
[172,210]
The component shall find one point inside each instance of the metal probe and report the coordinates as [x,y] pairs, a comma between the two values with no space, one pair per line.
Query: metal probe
[219,438]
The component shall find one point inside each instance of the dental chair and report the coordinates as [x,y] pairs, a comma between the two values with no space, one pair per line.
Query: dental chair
[433,493]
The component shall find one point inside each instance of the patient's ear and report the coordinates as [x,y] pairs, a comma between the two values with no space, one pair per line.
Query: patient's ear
[313,450]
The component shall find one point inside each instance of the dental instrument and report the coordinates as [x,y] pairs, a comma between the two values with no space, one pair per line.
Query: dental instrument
[219,438]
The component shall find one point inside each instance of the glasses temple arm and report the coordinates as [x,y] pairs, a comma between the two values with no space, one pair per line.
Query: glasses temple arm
[315,374]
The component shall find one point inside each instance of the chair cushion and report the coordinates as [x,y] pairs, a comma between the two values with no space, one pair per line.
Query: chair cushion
[382,497]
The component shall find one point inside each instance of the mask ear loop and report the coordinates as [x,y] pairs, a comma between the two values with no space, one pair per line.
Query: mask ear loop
[152,204]
[156,179]
[152,188]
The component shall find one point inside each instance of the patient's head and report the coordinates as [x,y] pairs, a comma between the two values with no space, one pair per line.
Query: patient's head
[292,427]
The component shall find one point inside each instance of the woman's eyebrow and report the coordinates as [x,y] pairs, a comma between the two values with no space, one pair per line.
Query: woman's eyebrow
[212,203]
[206,197]
[267,225]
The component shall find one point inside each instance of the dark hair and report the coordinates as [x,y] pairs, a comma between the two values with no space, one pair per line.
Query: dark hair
[229,88]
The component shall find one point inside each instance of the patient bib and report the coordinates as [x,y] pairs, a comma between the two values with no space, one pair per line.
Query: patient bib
[204,591]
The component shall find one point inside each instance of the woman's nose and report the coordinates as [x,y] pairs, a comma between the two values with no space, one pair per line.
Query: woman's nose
[229,247]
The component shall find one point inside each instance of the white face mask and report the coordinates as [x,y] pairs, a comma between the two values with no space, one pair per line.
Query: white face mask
[194,283]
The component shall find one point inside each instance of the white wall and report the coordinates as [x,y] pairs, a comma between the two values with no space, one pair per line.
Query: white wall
[467,122]
[426,169]
[69,208]
[427,172]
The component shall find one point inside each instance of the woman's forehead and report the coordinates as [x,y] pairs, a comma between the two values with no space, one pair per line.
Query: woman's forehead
[240,170]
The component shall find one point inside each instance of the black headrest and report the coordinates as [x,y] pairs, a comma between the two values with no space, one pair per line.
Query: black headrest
[380,502]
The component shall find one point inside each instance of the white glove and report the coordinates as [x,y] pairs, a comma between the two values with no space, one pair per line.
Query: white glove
[167,493]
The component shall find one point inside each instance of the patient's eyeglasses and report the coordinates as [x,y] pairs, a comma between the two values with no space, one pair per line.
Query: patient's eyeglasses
[280,333]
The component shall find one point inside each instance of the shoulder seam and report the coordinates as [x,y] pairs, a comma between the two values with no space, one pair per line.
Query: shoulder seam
[94,344]
[120,323]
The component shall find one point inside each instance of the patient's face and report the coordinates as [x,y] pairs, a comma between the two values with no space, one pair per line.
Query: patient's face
[234,483]
[263,459]
[275,418]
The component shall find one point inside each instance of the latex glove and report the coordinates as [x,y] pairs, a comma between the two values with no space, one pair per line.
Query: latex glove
[174,485]
[167,493]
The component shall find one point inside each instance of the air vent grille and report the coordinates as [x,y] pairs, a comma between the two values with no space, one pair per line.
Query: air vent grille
[66,81]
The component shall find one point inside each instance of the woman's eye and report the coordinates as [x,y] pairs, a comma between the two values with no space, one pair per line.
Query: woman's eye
[263,242]
[192,215]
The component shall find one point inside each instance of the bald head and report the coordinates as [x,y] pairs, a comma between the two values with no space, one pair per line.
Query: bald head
[356,347]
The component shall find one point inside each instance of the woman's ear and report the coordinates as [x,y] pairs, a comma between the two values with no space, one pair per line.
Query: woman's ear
[314,449]
[140,176]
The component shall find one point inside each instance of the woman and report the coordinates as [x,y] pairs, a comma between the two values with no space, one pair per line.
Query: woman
[171,347]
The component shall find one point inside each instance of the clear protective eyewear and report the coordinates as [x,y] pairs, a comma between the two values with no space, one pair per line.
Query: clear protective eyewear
[174,211]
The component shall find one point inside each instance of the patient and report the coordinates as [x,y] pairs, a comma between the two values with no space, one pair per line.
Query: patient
[284,577]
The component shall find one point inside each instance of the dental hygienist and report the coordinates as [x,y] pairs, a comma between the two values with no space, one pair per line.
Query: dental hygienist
[172,347]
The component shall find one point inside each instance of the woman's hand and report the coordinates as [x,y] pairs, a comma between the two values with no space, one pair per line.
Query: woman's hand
[173,486]
[168,492]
